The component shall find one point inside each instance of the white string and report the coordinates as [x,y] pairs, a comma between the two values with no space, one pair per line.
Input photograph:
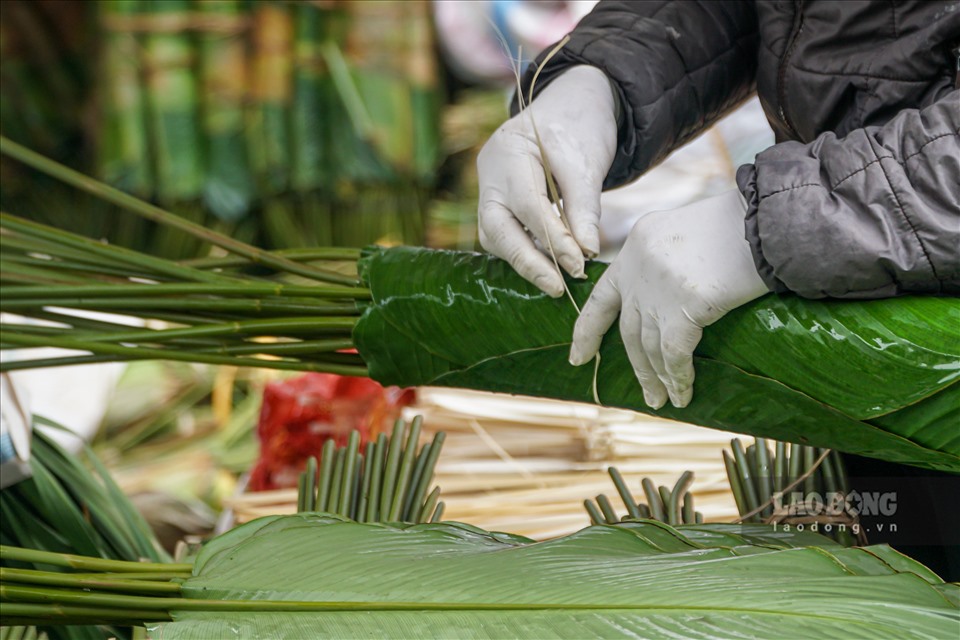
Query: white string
[551,183]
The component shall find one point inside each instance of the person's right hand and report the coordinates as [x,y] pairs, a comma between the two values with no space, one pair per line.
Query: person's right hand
[575,116]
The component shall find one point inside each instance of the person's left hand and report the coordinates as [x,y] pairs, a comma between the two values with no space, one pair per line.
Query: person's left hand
[678,272]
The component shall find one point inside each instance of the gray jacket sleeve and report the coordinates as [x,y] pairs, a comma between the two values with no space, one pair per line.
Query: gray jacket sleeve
[873,214]
[677,67]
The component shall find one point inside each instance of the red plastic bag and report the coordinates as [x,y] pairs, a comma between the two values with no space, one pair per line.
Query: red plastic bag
[299,414]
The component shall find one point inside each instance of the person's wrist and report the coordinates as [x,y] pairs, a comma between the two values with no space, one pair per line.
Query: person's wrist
[584,85]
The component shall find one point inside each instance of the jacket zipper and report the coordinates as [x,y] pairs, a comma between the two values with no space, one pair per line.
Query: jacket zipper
[782,71]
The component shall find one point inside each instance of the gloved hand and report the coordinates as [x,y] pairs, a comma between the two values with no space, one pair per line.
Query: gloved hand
[678,272]
[576,118]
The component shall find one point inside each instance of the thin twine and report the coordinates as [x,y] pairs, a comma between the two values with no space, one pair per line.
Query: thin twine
[779,494]
[551,183]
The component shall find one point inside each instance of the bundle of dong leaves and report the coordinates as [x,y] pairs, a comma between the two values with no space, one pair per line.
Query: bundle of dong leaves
[331,578]
[877,378]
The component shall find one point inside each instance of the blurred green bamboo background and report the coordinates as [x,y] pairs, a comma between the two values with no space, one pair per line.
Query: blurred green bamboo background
[288,124]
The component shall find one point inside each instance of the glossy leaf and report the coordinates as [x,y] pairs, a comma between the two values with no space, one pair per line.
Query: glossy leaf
[877,378]
[642,579]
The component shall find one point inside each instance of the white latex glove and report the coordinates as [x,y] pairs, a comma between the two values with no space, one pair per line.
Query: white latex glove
[678,272]
[576,118]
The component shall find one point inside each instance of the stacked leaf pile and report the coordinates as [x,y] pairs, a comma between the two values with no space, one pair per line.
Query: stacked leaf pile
[322,118]
[327,577]
[878,378]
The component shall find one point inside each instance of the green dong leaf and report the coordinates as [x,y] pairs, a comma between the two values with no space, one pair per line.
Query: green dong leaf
[876,378]
[639,579]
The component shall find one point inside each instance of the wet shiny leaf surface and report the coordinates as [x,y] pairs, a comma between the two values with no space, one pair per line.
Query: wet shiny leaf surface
[639,579]
[877,378]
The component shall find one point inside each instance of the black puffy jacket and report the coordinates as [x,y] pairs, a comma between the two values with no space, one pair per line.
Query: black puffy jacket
[860,197]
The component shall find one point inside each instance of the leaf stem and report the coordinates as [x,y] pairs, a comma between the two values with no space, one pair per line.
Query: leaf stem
[628,500]
[87,581]
[22,613]
[143,353]
[151,212]
[85,563]
[93,247]
[345,254]
[245,289]
[254,306]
